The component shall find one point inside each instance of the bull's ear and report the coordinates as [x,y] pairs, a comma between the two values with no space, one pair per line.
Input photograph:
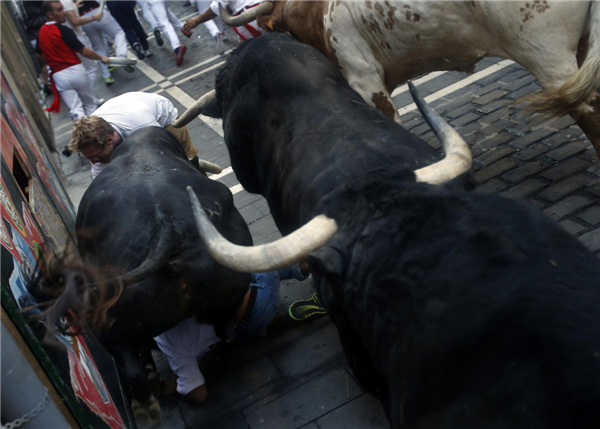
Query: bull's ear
[212,110]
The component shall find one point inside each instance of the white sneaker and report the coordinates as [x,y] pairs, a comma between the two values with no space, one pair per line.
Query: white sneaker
[220,49]
[149,52]
[100,101]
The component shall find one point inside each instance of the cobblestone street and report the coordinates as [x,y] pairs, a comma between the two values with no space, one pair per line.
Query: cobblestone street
[297,376]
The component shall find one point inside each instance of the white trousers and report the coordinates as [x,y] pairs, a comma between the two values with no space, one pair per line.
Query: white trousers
[214,26]
[73,85]
[167,21]
[148,16]
[90,65]
[109,26]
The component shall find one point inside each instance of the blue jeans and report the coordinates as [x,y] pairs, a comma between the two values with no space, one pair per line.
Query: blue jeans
[267,300]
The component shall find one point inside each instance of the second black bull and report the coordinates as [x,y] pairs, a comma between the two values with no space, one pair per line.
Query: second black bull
[136,232]
[456,309]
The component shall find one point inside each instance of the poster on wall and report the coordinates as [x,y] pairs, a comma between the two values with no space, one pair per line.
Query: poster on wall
[36,218]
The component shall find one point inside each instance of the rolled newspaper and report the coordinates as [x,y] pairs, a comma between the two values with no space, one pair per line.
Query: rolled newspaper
[120,61]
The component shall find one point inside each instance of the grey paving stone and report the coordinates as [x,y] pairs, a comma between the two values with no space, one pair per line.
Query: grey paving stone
[458,101]
[229,180]
[465,119]
[591,215]
[563,136]
[487,89]
[232,387]
[243,198]
[519,129]
[309,353]
[495,169]
[518,83]
[262,206]
[412,123]
[495,77]
[565,187]
[524,171]
[567,206]
[496,140]
[594,189]
[590,155]
[524,188]
[500,113]
[470,128]
[421,129]
[565,169]
[497,127]
[591,239]
[494,155]
[532,137]
[492,107]
[311,425]
[251,213]
[567,150]
[532,151]
[492,187]
[532,87]
[308,402]
[488,98]
[263,230]
[453,114]
[560,123]
[572,227]
[365,412]
[294,290]
[510,77]
[235,421]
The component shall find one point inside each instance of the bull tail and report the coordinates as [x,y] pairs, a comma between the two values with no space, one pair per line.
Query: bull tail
[79,297]
[576,94]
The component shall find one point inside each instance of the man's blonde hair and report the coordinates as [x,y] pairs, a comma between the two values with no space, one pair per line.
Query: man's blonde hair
[88,131]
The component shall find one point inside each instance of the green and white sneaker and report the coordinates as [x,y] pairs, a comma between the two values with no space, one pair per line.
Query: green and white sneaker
[306,308]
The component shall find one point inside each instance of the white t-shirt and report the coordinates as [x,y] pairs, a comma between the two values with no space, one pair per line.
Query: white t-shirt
[69,5]
[184,344]
[235,5]
[132,111]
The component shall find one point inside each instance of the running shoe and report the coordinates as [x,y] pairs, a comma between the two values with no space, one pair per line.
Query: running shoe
[112,68]
[180,52]
[306,308]
[187,33]
[129,69]
[220,49]
[139,52]
[109,81]
[159,40]
[149,53]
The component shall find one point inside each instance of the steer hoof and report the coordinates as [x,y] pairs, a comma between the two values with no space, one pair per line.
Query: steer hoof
[147,414]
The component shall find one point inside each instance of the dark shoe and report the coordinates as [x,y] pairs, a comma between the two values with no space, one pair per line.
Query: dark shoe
[187,33]
[306,309]
[159,40]
[129,69]
[139,52]
[180,52]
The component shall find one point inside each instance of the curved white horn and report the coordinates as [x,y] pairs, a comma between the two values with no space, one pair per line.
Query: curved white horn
[190,114]
[209,167]
[458,155]
[267,257]
[246,17]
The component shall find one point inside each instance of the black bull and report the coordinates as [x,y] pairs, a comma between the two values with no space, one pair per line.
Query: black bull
[456,309]
[136,219]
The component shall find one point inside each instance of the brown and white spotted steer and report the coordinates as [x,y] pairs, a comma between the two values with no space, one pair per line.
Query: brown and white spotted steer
[379,45]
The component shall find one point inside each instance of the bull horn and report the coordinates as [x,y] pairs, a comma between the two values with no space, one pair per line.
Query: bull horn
[458,155]
[209,167]
[267,257]
[190,114]
[246,17]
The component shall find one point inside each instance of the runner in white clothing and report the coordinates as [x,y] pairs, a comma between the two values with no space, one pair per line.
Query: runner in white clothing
[214,26]
[168,23]
[245,32]
[74,22]
[100,133]
[96,31]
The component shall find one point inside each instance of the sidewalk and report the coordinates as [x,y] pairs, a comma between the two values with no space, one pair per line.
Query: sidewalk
[297,377]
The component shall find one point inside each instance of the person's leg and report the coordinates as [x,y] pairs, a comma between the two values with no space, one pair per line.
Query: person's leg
[160,12]
[175,22]
[94,33]
[294,272]
[112,28]
[183,136]
[266,300]
[68,94]
[81,83]
[137,28]
[91,66]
